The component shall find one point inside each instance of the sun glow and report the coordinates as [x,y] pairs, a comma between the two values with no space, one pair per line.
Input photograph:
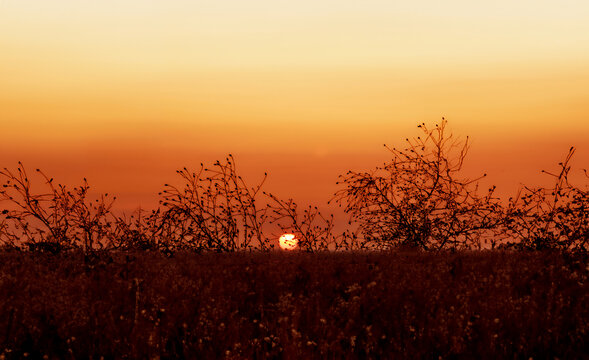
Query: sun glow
[288,242]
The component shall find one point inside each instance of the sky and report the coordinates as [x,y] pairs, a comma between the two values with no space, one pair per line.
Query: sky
[125,92]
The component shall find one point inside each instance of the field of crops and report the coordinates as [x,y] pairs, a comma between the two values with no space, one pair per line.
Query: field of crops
[294,305]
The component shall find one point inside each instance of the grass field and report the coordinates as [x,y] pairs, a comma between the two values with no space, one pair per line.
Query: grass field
[278,305]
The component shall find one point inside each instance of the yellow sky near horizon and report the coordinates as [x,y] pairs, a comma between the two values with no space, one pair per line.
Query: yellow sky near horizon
[310,88]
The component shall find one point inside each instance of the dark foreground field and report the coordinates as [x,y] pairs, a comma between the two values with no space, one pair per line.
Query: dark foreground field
[142,305]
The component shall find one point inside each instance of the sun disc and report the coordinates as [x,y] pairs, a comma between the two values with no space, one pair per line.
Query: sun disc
[288,242]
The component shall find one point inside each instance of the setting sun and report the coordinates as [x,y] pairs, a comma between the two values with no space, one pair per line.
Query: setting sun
[288,242]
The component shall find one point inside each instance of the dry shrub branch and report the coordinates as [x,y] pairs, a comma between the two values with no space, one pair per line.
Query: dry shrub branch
[550,218]
[214,210]
[314,231]
[418,199]
[54,219]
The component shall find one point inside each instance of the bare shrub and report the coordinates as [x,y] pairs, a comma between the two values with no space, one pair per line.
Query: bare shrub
[56,219]
[140,231]
[418,199]
[214,210]
[314,231]
[550,218]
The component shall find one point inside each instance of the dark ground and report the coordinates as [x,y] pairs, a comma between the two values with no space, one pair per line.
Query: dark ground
[275,305]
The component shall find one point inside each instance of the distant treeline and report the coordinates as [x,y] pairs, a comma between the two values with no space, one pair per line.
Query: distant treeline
[416,200]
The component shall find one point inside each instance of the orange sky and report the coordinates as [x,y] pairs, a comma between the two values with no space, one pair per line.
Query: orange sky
[125,92]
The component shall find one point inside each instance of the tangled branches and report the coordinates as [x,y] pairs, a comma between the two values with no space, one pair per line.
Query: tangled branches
[52,220]
[417,199]
[214,210]
[550,218]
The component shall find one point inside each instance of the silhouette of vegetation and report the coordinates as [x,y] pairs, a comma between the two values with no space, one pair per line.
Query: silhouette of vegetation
[139,305]
[215,210]
[79,281]
[418,199]
[314,231]
[141,231]
[550,218]
[53,220]
[212,210]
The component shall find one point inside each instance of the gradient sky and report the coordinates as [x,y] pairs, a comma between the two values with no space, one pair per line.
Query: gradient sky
[124,92]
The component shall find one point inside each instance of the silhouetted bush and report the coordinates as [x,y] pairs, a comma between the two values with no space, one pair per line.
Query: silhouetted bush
[56,219]
[550,218]
[139,231]
[314,231]
[418,199]
[214,210]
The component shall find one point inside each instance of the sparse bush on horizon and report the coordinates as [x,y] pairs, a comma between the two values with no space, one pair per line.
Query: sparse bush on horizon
[550,218]
[417,200]
[212,210]
[57,219]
